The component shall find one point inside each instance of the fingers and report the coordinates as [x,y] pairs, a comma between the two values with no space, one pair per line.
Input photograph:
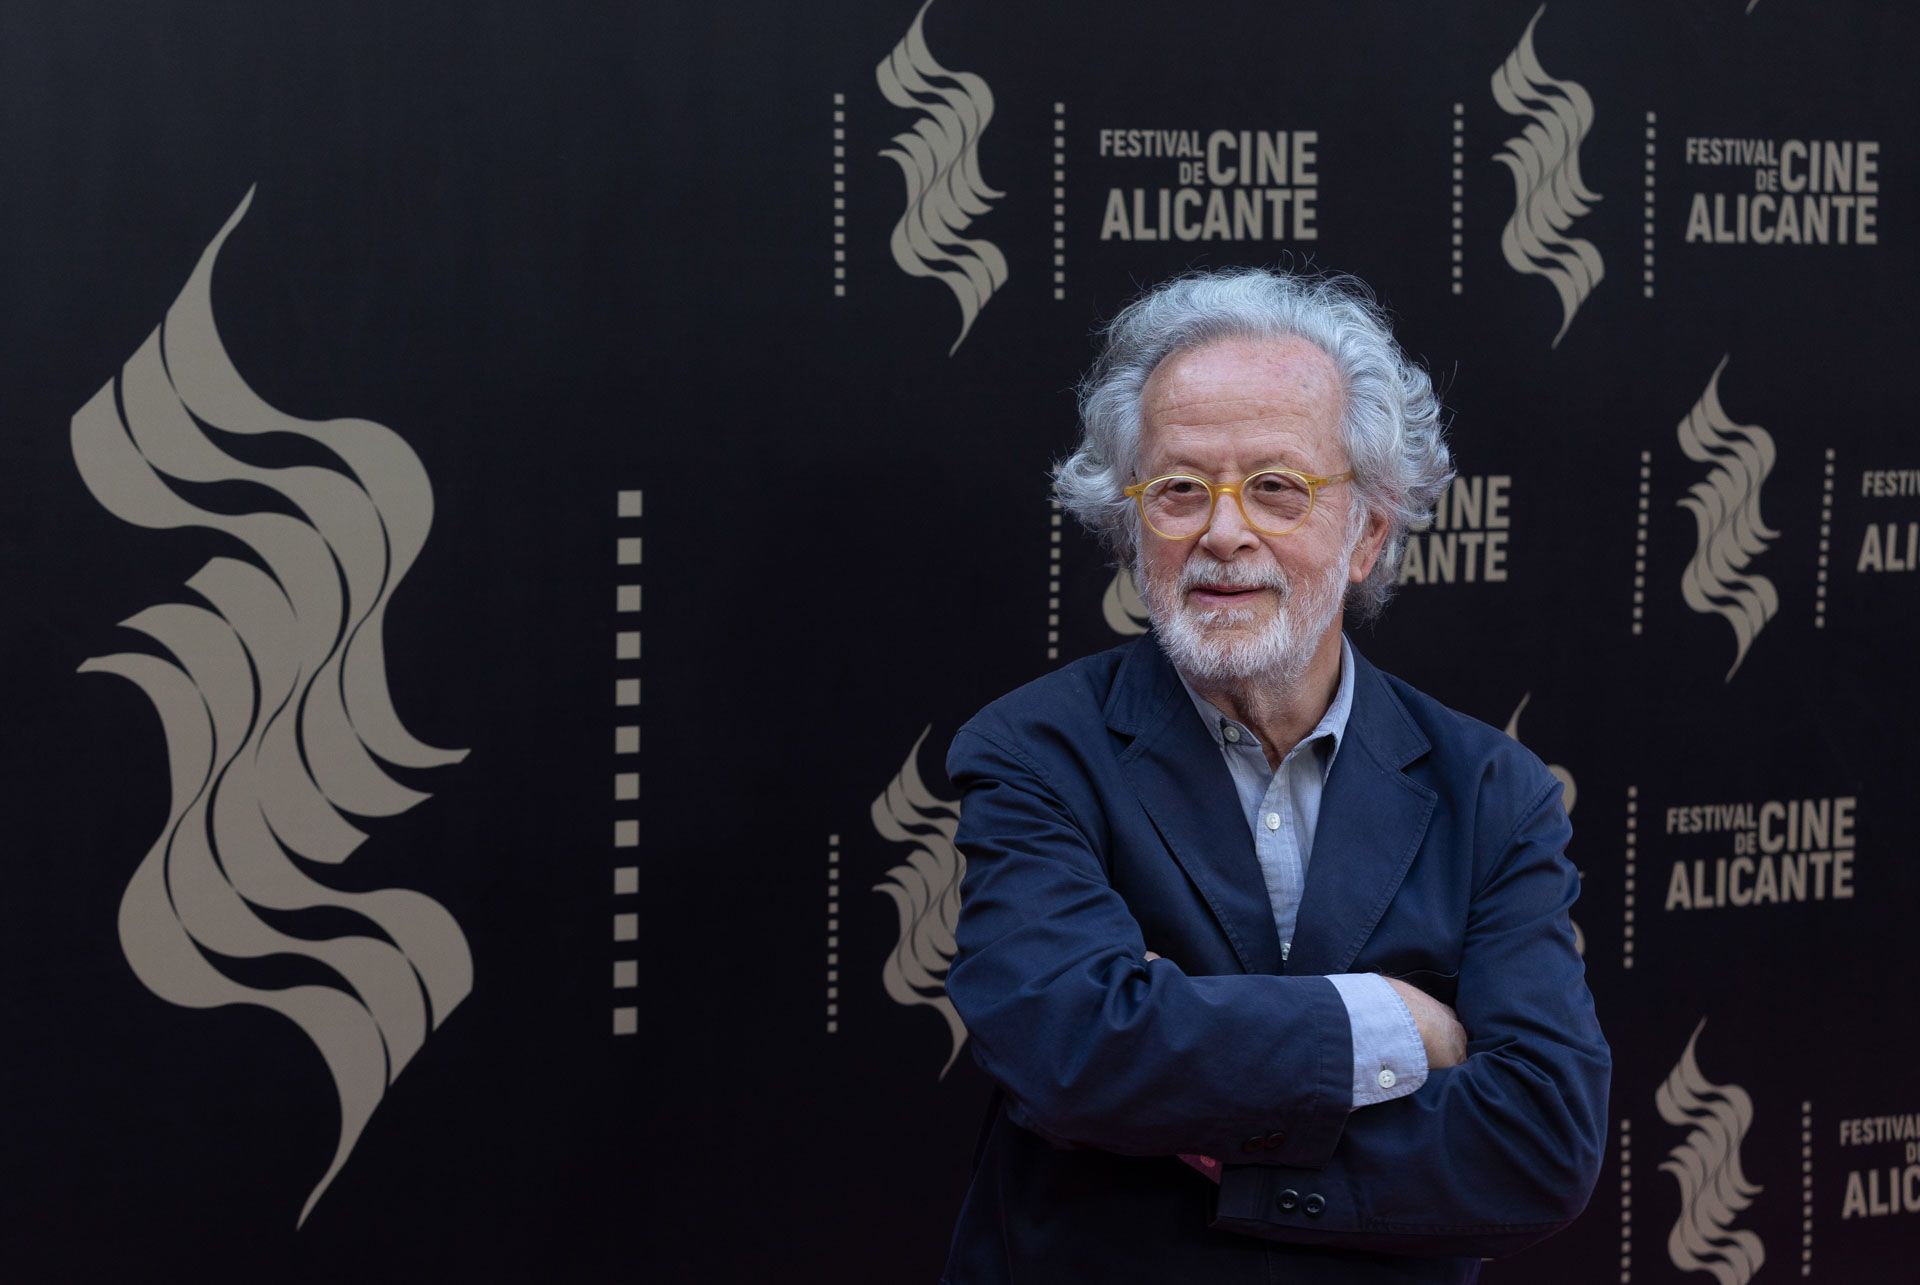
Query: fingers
[1441,1034]
[1448,1046]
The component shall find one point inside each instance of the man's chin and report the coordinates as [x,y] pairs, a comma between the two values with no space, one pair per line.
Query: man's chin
[1212,648]
[1227,624]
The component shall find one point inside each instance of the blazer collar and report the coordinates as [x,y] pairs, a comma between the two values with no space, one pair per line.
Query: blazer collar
[1372,816]
[1372,819]
[1182,782]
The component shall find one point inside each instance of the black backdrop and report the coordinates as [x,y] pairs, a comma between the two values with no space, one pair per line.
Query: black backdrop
[571,253]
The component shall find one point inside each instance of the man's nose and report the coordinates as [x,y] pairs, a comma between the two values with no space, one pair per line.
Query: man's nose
[1228,531]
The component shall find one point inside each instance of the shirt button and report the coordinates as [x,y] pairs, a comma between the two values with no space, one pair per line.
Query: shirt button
[1232,734]
[1387,1077]
[1273,820]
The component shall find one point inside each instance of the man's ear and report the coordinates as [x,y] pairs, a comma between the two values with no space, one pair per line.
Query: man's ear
[1366,550]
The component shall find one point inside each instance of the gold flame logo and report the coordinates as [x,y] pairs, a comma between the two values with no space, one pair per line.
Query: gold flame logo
[940,160]
[1569,795]
[1125,611]
[1727,521]
[925,889]
[273,700]
[1548,192]
[1706,1165]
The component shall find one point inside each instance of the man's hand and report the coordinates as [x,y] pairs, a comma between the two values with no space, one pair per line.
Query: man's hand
[1440,1031]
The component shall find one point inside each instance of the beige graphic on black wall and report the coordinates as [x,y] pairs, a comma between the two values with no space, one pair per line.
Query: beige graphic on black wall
[925,889]
[1713,1190]
[1569,795]
[273,699]
[1125,611]
[1727,521]
[940,160]
[1548,192]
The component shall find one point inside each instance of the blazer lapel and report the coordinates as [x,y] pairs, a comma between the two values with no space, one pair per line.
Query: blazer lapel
[1182,782]
[1372,819]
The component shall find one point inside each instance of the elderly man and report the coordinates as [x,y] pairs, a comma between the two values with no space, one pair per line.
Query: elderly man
[1267,952]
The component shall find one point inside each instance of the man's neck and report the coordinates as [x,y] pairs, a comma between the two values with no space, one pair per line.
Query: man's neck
[1280,713]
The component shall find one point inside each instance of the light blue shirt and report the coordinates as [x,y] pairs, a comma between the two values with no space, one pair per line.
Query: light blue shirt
[1283,809]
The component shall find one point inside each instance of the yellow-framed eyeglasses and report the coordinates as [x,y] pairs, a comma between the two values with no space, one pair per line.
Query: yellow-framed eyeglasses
[1274,501]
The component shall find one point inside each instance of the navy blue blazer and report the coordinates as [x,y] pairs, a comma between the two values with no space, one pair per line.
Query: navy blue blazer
[1099,822]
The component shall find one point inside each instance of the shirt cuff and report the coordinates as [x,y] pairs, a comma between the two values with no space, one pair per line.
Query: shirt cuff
[1388,1059]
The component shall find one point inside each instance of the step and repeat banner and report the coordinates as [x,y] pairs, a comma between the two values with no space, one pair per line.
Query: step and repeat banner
[507,504]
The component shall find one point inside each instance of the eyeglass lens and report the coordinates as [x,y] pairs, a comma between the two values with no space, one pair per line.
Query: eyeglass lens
[1274,504]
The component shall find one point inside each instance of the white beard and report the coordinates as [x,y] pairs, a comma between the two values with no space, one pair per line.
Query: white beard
[1199,642]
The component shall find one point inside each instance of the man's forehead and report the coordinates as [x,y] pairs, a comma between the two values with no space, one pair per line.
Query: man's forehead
[1284,384]
[1242,372]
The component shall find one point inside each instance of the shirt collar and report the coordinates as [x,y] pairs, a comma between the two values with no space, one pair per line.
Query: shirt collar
[1332,726]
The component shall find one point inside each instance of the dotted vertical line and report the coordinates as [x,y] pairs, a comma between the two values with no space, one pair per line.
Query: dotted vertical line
[1459,171]
[1640,540]
[1646,230]
[1053,582]
[1806,1188]
[1626,1201]
[626,750]
[839,196]
[1626,906]
[1826,543]
[833,934]
[1060,198]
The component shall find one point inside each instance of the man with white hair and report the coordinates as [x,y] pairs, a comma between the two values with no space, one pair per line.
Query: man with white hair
[1267,952]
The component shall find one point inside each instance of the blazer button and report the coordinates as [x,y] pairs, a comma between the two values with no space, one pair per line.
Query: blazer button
[1255,1143]
[1289,1199]
[1276,1138]
[1313,1204]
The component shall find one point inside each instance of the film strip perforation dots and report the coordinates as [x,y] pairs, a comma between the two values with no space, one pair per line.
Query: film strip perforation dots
[833,934]
[1646,229]
[628,506]
[1640,540]
[1627,890]
[1059,203]
[1626,1201]
[1826,543]
[1459,172]
[1059,200]
[839,196]
[1053,581]
[1806,1188]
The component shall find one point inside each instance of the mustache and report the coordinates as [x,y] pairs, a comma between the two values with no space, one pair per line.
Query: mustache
[1204,569]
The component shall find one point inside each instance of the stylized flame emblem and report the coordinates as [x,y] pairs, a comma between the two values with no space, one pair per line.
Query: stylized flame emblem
[1707,1167]
[274,705]
[1569,795]
[1548,193]
[926,892]
[940,160]
[1727,521]
[1122,606]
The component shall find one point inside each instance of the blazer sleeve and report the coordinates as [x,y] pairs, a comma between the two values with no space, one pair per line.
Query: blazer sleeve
[1095,1046]
[1502,1150]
